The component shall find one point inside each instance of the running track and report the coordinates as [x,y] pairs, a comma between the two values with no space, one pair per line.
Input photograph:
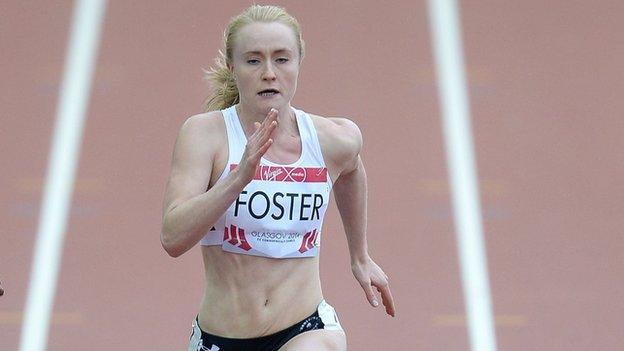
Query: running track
[545,82]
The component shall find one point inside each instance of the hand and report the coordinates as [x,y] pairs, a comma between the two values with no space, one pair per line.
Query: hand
[369,275]
[257,145]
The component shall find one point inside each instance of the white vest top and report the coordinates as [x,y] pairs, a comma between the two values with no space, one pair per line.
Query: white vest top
[280,212]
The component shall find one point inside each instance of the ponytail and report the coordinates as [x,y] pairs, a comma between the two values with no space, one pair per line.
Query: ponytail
[223,85]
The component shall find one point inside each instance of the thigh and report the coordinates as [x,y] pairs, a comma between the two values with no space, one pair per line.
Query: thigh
[320,339]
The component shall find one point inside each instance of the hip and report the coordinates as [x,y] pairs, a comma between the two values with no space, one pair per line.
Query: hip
[323,317]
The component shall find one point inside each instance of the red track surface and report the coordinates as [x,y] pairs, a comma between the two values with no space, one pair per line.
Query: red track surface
[545,84]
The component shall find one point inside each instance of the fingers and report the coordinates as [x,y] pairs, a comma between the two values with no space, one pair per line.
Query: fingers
[257,145]
[270,122]
[271,116]
[264,141]
[263,149]
[266,123]
[386,297]
[264,130]
[369,275]
[260,141]
[370,295]
[269,130]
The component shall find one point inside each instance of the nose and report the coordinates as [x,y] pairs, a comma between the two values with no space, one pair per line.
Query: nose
[269,72]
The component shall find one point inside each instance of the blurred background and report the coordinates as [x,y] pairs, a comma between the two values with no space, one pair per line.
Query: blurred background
[545,78]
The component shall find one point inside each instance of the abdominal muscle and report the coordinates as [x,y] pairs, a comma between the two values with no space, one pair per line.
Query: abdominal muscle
[250,296]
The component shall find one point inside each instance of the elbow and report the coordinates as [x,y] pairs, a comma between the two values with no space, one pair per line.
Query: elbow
[172,248]
[173,251]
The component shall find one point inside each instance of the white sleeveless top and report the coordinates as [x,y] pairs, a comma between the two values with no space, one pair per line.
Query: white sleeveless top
[280,212]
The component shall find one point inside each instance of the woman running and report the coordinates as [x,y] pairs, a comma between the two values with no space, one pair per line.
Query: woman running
[250,181]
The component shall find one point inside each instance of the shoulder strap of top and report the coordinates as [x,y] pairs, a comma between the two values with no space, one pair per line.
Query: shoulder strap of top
[309,137]
[235,135]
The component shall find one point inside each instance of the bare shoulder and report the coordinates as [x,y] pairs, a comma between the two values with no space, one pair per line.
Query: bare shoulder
[200,141]
[203,125]
[340,132]
[340,139]
[198,144]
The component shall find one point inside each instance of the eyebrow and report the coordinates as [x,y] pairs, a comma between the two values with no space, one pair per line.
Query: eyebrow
[278,51]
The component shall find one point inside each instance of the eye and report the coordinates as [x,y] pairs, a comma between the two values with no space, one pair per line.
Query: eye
[253,61]
[282,60]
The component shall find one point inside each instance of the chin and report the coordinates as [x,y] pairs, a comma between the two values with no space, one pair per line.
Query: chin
[266,106]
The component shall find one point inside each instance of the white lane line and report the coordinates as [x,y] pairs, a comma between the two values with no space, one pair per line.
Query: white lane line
[70,115]
[448,52]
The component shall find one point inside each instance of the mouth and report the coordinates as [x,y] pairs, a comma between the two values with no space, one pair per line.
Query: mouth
[268,92]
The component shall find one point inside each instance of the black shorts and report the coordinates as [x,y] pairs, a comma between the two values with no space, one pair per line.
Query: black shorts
[323,318]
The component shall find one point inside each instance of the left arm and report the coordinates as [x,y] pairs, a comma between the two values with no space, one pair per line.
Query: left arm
[350,192]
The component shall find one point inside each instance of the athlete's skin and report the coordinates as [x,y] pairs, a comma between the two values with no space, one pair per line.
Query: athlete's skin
[250,296]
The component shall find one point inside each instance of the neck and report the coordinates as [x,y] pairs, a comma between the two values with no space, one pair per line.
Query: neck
[285,118]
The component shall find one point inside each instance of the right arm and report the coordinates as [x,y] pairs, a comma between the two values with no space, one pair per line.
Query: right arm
[189,210]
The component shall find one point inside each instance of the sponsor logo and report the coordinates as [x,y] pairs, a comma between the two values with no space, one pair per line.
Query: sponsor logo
[212,348]
[204,348]
[297,174]
[311,323]
[308,241]
[236,237]
[270,173]
[289,174]
[281,174]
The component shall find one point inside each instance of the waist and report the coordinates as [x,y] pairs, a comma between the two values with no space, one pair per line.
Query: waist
[248,296]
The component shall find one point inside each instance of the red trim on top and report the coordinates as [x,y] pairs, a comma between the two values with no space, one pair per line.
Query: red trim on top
[289,174]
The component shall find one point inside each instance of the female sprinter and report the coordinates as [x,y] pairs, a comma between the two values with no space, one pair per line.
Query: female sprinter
[250,181]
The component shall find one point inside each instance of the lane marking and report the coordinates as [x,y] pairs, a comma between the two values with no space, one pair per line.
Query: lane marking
[450,69]
[84,37]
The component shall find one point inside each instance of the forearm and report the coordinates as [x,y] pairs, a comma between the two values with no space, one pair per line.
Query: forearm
[185,224]
[350,192]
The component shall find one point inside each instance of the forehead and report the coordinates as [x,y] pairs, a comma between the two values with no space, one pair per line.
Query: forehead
[265,37]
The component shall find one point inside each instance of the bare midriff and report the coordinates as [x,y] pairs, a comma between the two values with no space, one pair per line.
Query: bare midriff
[250,296]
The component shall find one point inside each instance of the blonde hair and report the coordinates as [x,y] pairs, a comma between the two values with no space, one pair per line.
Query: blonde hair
[224,92]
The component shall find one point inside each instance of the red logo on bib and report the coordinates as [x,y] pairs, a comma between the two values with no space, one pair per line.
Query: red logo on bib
[236,237]
[297,174]
[308,241]
[289,174]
